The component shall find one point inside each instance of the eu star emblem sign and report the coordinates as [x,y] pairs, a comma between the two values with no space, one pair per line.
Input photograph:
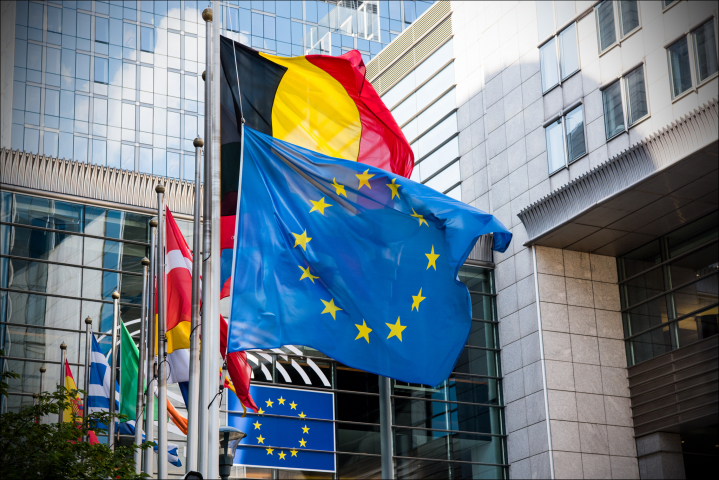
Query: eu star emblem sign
[293,430]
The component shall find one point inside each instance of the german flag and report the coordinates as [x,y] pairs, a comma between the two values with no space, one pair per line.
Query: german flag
[318,102]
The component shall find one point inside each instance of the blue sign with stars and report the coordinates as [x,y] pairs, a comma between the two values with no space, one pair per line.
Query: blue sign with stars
[293,429]
[354,261]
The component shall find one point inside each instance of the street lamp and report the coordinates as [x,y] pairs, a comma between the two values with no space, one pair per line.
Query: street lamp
[229,439]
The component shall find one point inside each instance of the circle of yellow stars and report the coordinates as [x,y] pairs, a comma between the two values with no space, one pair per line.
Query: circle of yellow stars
[261,440]
[301,240]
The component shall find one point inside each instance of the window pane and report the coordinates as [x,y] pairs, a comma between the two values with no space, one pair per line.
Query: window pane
[698,295]
[636,95]
[697,327]
[650,345]
[555,146]
[705,50]
[629,11]
[548,64]
[569,55]
[646,315]
[681,77]
[613,114]
[575,134]
[605,25]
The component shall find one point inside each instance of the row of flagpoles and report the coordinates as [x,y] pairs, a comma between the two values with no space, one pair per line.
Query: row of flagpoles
[202,424]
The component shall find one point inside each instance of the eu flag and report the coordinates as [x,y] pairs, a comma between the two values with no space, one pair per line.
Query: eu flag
[354,261]
[293,429]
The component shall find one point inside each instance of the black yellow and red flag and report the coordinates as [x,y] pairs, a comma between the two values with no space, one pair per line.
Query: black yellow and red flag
[318,102]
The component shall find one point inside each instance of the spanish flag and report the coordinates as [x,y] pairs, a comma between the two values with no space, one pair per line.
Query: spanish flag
[75,409]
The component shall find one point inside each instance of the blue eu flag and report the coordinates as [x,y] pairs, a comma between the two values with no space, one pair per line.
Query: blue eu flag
[356,262]
[293,429]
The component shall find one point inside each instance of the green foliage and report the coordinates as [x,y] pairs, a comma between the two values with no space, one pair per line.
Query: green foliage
[31,449]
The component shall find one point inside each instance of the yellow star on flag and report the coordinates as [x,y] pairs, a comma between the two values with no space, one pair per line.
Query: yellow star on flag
[330,308]
[432,258]
[302,240]
[417,299]
[302,442]
[417,216]
[395,330]
[282,455]
[270,450]
[260,439]
[293,405]
[363,331]
[306,274]
[260,411]
[394,187]
[364,179]
[257,425]
[293,452]
[281,401]
[269,402]
[339,189]
[302,415]
[305,429]
[319,205]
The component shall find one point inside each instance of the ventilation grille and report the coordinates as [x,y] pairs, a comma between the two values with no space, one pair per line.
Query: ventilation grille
[399,46]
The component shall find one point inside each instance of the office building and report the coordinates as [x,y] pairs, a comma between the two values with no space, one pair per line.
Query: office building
[589,129]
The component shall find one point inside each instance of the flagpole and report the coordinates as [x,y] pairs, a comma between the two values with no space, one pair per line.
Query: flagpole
[194,390]
[385,427]
[140,373]
[150,393]
[42,384]
[86,383]
[63,355]
[213,446]
[113,369]
[205,392]
[162,340]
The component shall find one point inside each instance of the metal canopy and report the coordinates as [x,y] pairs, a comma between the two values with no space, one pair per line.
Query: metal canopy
[646,191]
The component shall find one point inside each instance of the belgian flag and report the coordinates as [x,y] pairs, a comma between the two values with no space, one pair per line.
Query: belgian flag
[318,102]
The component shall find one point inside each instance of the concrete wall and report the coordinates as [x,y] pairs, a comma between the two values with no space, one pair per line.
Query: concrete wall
[501,111]
[7,62]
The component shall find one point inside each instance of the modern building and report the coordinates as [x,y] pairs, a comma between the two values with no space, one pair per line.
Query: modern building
[588,128]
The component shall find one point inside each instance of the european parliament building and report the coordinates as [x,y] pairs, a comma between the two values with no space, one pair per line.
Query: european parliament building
[588,128]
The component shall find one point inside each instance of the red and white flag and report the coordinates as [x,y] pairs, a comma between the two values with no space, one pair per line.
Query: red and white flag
[178,261]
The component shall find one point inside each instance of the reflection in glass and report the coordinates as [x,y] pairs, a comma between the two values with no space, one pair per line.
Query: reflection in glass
[464,447]
[555,146]
[629,16]
[698,327]
[548,65]
[427,469]
[705,51]
[680,77]
[605,25]
[568,47]
[649,345]
[613,113]
[636,95]
[576,146]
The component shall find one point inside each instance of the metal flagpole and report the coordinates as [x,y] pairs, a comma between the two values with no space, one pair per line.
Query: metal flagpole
[385,427]
[149,467]
[213,445]
[88,361]
[113,367]
[205,392]
[140,370]
[193,395]
[194,390]
[42,384]
[161,340]
[63,356]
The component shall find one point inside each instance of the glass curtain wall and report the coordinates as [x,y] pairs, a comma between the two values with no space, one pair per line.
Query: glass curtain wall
[119,83]
[669,290]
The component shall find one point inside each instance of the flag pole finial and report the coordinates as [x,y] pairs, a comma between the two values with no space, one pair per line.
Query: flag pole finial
[198,142]
[207,14]
[115,296]
[145,262]
[160,189]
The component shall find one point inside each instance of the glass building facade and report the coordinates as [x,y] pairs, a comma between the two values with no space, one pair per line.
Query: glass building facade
[61,261]
[119,83]
[669,290]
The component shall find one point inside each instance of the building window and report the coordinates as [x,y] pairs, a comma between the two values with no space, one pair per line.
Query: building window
[681,75]
[565,139]
[628,94]
[699,45]
[668,290]
[667,3]
[559,58]
[626,16]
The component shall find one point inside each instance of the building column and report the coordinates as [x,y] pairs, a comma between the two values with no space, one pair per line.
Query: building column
[660,456]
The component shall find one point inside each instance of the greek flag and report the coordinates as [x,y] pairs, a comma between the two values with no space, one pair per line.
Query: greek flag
[98,397]
[128,428]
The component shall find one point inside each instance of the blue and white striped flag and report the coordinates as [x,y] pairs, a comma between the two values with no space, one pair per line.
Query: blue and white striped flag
[98,397]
